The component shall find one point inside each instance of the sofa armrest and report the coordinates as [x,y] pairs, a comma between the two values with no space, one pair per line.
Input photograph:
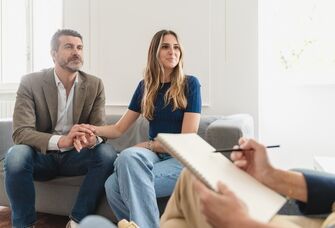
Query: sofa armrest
[6,141]
[226,131]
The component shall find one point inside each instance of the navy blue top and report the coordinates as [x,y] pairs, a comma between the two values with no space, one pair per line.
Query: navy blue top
[165,120]
[321,192]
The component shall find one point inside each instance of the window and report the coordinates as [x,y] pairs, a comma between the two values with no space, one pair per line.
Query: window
[26,27]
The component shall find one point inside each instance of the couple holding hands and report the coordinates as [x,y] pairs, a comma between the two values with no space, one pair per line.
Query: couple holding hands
[59,130]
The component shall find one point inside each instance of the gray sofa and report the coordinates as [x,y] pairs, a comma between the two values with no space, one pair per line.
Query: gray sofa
[57,196]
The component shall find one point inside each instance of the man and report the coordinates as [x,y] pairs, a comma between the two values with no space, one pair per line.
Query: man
[49,107]
[194,205]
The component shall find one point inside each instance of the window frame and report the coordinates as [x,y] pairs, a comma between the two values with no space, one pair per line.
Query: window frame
[30,7]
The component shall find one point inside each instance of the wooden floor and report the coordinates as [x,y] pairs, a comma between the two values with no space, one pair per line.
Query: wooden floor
[43,220]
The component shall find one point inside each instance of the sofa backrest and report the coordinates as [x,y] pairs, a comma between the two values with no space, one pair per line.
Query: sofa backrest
[219,131]
[207,130]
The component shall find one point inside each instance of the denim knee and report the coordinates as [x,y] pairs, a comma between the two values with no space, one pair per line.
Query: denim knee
[106,154]
[111,188]
[18,158]
[133,157]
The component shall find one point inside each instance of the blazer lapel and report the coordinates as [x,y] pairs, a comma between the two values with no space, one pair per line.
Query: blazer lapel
[79,98]
[50,94]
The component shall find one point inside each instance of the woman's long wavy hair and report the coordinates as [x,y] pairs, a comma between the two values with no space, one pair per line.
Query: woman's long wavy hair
[154,74]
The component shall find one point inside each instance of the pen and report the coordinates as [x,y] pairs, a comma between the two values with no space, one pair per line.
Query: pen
[239,149]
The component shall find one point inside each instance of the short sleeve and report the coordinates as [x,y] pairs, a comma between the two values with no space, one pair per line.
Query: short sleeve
[135,103]
[193,95]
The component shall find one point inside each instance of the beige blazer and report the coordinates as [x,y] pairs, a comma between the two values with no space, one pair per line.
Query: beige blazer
[35,113]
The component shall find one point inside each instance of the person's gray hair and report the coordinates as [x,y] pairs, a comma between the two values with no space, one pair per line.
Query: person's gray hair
[62,32]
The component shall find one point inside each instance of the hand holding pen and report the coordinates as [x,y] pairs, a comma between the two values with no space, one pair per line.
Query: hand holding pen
[252,157]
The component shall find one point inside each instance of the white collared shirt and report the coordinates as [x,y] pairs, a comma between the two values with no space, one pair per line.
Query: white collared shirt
[64,114]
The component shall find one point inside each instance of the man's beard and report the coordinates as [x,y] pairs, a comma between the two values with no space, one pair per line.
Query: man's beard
[70,64]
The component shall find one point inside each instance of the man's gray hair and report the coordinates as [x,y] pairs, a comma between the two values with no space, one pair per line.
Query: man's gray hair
[62,32]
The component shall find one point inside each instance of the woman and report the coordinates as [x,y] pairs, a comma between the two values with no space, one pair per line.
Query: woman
[171,102]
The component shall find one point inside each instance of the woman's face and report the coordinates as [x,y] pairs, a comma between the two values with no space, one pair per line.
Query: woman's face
[169,53]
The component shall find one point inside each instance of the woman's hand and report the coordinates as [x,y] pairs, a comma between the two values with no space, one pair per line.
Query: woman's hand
[142,144]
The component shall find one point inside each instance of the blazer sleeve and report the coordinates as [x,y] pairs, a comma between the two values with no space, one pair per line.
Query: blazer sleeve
[320,190]
[24,119]
[98,114]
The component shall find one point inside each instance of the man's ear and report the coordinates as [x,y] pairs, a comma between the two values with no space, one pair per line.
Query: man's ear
[53,54]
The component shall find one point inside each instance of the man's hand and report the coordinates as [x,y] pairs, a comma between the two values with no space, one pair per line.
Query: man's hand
[253,159]
[223,208]
[87,140]
[77,131]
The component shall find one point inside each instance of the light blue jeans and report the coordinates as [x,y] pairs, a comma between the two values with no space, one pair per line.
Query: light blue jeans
[140,177]
[23,165]
[96,221]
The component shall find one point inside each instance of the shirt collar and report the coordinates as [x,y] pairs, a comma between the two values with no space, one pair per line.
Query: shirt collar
[58,82]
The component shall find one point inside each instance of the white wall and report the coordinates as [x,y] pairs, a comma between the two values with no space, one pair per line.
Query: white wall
[220,40]
[294,112]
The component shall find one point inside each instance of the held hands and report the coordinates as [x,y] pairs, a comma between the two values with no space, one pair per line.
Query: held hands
[87,140]
[80,136]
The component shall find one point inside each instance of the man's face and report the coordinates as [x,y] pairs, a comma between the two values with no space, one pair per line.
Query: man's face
[69,55]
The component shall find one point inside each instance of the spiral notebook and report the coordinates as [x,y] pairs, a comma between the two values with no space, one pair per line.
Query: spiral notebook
[197,155]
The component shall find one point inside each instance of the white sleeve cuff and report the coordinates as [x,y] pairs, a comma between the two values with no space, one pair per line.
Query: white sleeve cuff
[53,142]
